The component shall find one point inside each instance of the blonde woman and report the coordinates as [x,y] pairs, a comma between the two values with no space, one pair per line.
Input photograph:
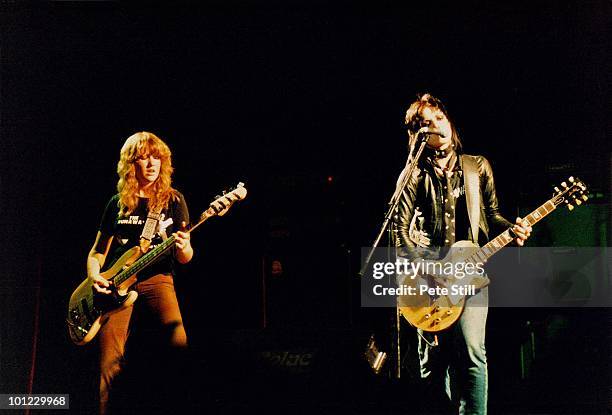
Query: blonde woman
[145,170]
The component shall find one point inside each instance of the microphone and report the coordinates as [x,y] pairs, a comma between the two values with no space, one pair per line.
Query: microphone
[427,131]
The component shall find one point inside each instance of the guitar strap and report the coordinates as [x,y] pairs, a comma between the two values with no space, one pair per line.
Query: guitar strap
[148,231]
[472,193]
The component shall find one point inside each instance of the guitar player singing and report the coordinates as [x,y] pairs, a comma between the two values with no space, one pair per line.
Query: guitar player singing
[434,211]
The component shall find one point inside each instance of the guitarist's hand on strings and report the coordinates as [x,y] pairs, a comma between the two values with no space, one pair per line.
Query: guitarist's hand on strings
[95,260]
[184,251]
[100,284]
[521,230]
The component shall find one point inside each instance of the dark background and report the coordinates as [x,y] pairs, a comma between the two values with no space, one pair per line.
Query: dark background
[302,101]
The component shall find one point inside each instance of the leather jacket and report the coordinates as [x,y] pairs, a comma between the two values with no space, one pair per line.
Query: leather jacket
[483,193]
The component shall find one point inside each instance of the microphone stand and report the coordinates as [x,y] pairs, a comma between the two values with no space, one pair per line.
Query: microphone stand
[406,175]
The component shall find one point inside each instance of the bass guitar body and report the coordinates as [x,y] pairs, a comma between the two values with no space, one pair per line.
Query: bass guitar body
[88,310]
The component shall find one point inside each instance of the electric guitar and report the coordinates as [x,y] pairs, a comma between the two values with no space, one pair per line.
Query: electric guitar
[88,310]
[440,303]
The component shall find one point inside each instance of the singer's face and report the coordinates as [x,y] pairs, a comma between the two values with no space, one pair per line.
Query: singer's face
[436,120]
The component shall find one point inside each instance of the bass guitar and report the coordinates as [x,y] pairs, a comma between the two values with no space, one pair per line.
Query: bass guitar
[88,310]
[435,300]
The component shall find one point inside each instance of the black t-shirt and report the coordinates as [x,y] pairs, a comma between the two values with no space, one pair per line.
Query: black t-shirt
[126,231]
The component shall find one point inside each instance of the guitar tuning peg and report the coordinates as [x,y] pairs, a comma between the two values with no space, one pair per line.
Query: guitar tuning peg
[585,197]
[557,189]
[564,184]
[570,207]
[571,179]
[578,202]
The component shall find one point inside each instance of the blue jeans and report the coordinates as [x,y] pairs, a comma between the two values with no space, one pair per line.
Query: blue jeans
[459,363]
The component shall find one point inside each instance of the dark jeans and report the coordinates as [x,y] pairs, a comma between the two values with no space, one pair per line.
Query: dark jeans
[459,363]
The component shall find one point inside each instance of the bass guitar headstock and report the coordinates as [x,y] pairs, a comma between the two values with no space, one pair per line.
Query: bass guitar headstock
[572,194]
[222,203]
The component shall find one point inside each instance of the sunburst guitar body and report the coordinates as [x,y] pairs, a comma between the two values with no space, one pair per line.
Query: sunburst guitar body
[438,300]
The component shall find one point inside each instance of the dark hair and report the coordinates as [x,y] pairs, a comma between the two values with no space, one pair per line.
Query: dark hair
[414,118]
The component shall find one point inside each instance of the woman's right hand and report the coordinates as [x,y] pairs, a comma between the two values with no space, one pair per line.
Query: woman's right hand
[100,284]
[95,261]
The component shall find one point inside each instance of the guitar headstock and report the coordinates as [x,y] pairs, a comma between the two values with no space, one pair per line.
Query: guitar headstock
[572,193]
[222,203]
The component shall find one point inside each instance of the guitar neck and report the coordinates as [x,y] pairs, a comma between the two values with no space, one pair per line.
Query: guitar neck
[226,201]
[144,261]
[154,254]
[503,239]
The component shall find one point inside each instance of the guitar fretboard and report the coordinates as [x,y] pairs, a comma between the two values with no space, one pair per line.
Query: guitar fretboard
[141,263]
[491,248]
[144,261]
[154,254]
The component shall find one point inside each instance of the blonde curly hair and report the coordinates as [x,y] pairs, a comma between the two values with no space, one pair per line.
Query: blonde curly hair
[144,144]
